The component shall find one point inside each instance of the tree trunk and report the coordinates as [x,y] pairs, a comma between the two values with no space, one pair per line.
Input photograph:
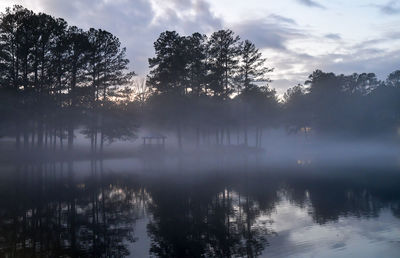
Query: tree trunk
[92,142]
[245,136]
[257,137]
[179,134]
[95,141]
[101,141]
[45,137]
[54,139]
[70,137]
[26,139]
[18,137]
[61,139]
[33,137]
[40,134]
[197,137]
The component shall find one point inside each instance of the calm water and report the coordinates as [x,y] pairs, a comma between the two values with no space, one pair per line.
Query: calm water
[114,209]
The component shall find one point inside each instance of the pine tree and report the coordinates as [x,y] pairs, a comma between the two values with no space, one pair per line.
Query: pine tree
[196,66]
[252,68]
[223,59]
[168,67]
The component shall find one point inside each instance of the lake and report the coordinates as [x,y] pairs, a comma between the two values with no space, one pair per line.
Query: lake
[133,208]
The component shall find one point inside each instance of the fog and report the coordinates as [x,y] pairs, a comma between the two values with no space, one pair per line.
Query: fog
[202,152]
[277,149]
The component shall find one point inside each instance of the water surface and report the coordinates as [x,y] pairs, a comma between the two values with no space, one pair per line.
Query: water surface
[118,209]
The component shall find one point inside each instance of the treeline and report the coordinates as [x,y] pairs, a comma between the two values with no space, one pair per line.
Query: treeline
[210,87]
[56,79]
[357,104]
[218,85]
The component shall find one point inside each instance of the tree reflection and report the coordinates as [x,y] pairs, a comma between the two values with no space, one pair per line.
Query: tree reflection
[50,210]
[205,218]
[47,212]
[333,194]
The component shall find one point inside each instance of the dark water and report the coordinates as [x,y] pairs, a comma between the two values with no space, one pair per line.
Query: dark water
[100,209]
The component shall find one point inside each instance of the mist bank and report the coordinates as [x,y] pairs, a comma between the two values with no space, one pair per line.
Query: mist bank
[276,148]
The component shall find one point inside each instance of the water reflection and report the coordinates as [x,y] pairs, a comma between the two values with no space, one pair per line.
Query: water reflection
[47,212]
[204,217]
[54,209]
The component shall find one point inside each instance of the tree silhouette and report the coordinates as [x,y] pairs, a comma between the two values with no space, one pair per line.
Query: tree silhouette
[169,65]
[252,69]
[223,59]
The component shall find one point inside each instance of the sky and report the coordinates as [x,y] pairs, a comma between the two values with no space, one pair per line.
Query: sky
[296,36]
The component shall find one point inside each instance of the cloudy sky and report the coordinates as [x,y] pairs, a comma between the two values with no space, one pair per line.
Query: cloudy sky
[296,36]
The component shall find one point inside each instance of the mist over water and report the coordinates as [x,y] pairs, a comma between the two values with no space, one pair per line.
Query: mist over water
[111,208]
[277,148]
[292,196]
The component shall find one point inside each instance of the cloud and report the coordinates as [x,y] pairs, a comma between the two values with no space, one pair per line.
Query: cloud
[284,44]
[267,34]
[293,67]
[186,16]
[282,19]
[310,3]
[385,38]
[390,8]
[293,50]
[374,60]
[333,36]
